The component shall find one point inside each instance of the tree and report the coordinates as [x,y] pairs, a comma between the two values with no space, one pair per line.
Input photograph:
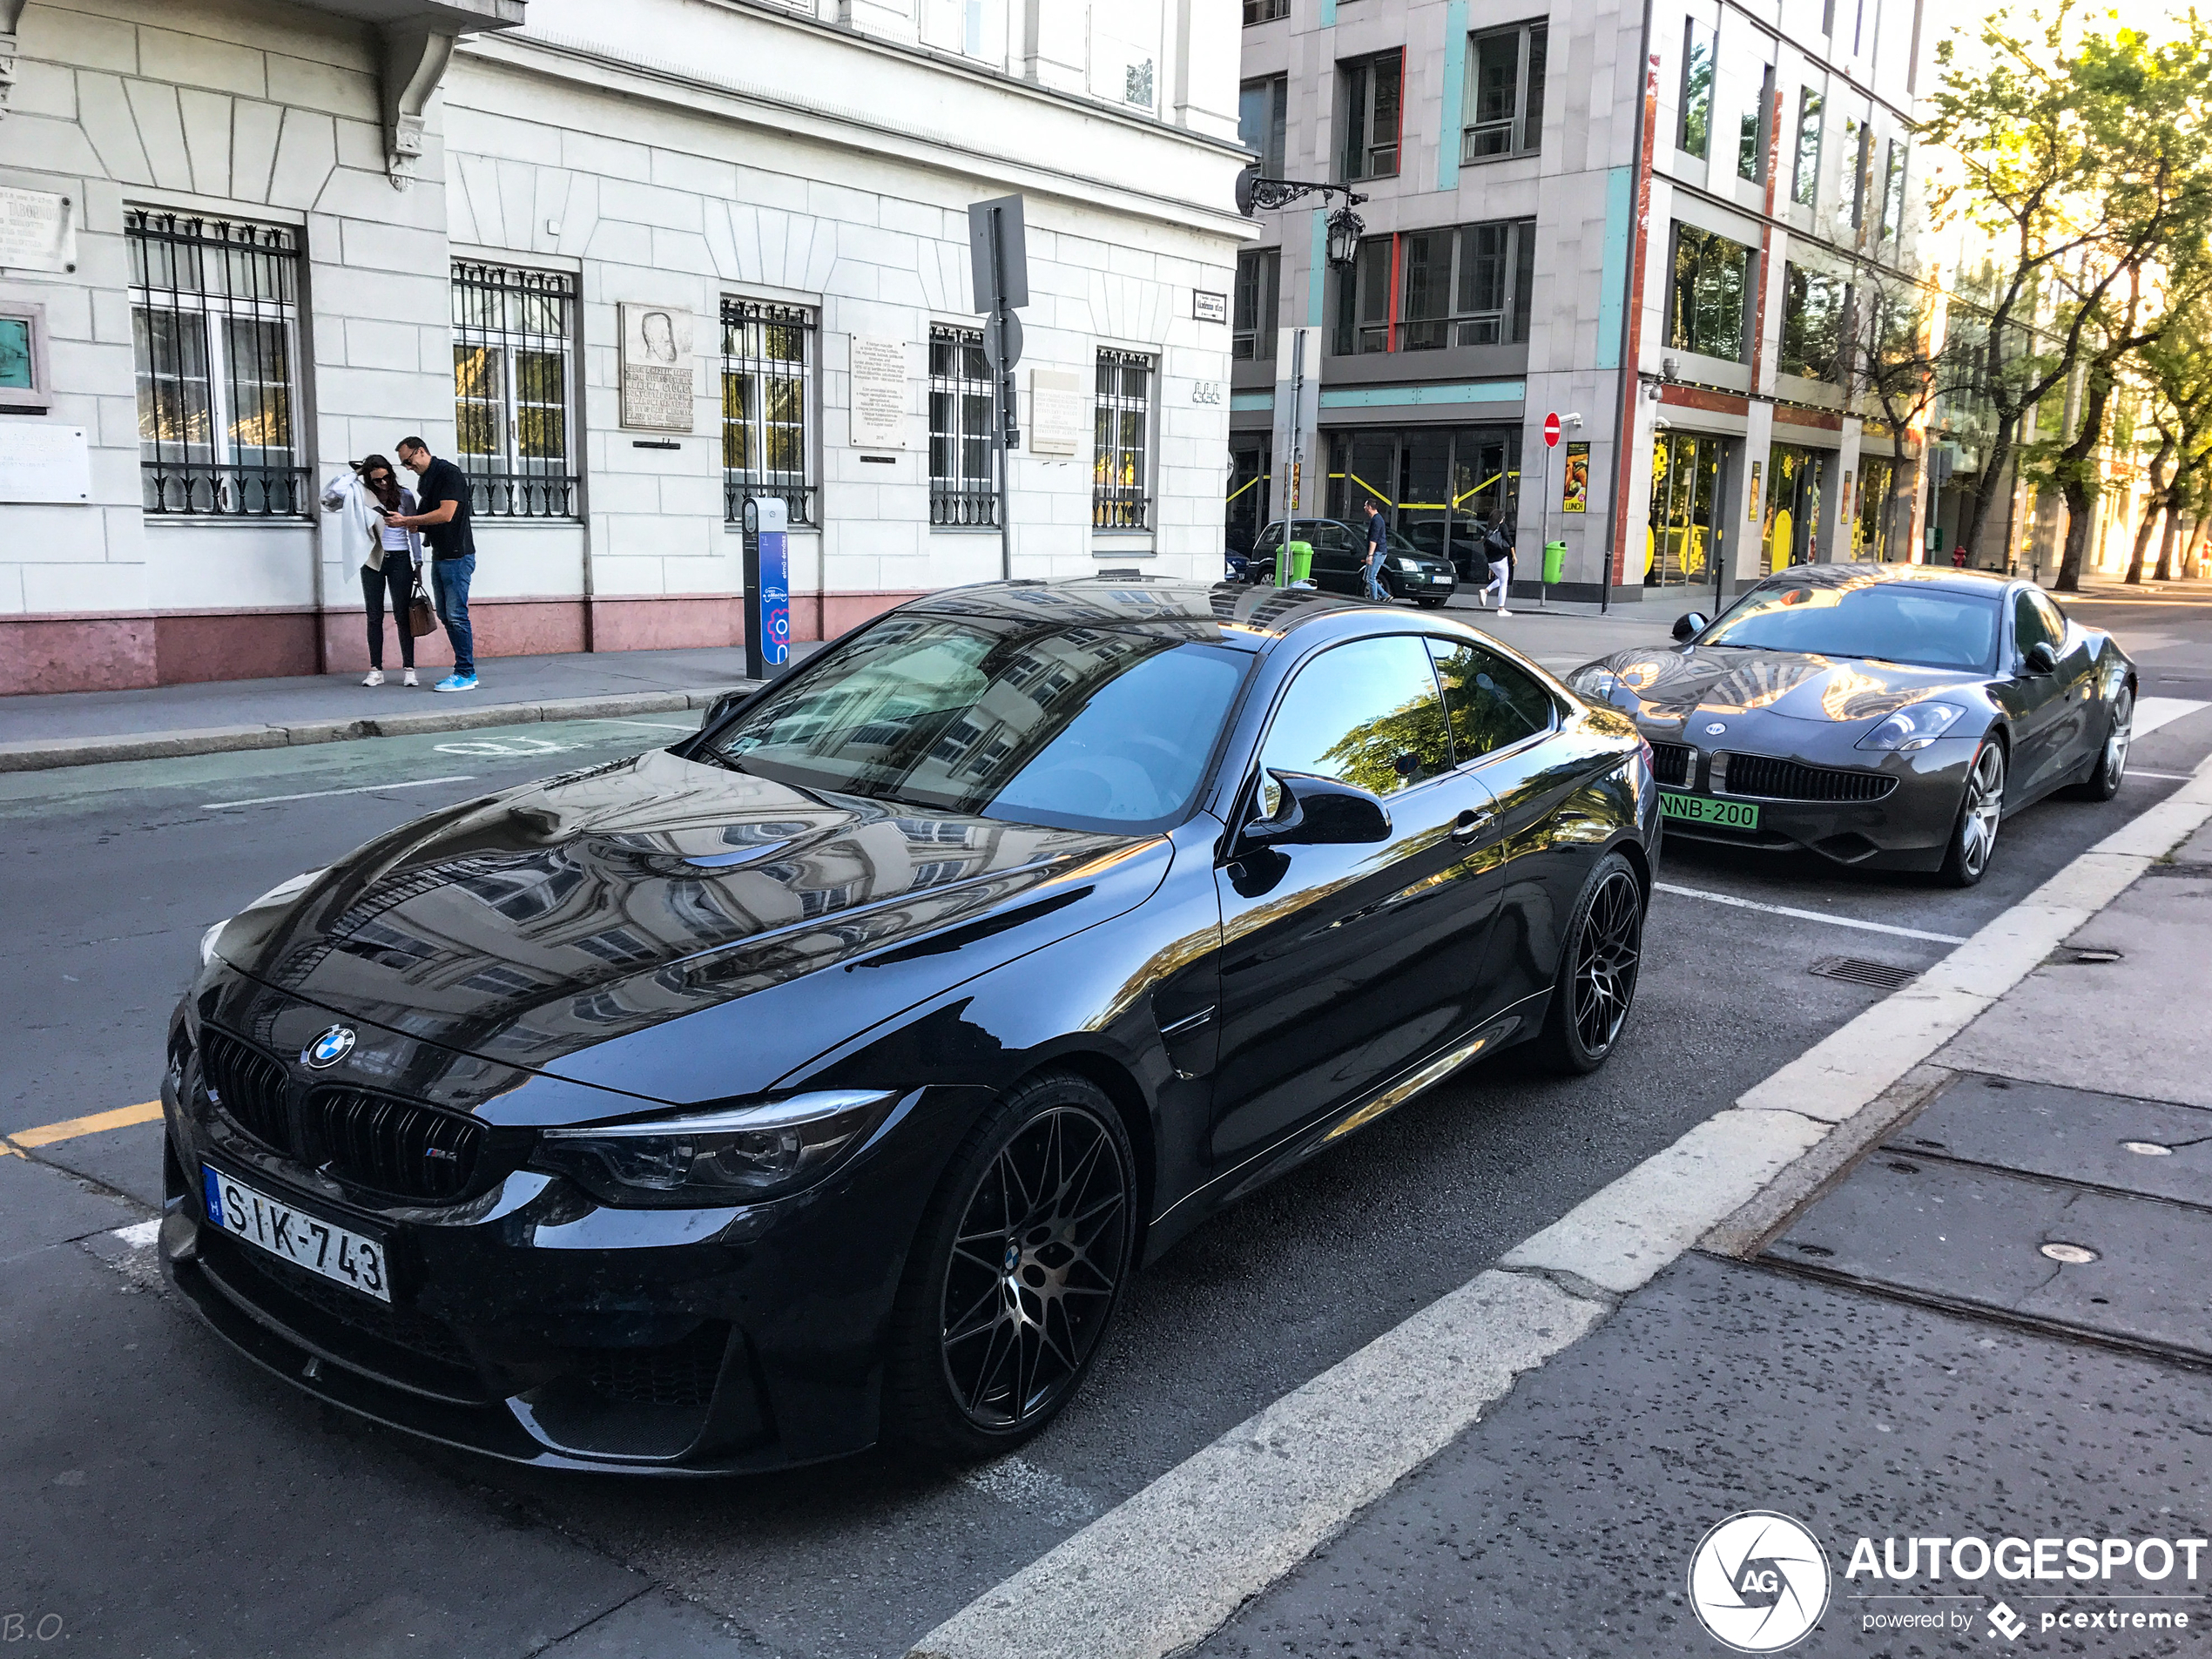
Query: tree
[1895,362]
[2084,162]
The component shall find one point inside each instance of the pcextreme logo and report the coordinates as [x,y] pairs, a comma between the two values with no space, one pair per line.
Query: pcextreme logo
[1758,1581]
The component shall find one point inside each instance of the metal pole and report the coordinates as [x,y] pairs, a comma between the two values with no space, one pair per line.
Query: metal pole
[1544,534]
[999,377]
[1297,480]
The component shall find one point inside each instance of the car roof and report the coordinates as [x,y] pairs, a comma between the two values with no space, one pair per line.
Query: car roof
[1985,582]
[1228,612]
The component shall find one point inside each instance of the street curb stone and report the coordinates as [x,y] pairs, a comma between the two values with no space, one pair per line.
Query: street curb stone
[47,754]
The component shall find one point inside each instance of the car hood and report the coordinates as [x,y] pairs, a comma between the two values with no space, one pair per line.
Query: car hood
[1661,687]
[558,929]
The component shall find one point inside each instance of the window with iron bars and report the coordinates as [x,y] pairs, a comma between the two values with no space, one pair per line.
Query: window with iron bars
[961,491]
[513,388]
[767,407]
[213,320]
[1120,467]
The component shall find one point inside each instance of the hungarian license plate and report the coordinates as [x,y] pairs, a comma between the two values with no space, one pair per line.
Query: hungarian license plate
[1703,809]
[353,1259]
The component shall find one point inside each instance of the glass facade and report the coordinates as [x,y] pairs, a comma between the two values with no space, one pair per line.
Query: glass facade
[1437,485]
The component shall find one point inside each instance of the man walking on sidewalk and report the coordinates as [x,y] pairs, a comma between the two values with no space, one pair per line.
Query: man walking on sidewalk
[444,496]
[1377,549]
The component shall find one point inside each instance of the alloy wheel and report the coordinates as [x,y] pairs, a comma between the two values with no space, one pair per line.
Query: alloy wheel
[2123,733]
[1035,1266]
[1606,956]
[1985,808]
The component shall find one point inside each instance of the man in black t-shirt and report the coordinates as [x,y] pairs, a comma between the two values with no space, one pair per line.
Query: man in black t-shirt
[444,496]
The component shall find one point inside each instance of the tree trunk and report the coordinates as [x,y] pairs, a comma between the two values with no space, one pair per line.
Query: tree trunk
[2153,504]
[2172,533]
[2081,500]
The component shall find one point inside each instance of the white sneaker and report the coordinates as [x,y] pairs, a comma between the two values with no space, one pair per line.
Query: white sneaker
[409,679]
[376,677]
[1503,611]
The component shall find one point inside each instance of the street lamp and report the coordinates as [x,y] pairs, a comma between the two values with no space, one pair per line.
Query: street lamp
[1345,227]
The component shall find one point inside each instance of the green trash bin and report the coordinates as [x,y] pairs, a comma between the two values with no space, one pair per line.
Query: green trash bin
[1554,561]
[1301,563]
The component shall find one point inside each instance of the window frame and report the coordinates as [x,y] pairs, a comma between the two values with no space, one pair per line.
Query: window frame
[1438,643]
[961,498]
[1690,97]
[1524,128]
[1760,132]
[1124,509]
[1675,335]
[508,488]
[37,397]
[1893,191]
[1805,178]
[1256,304]
[1799,282]
[1358,105]
[796,485]
[1252,794]
[1271,148]
[217,485]
[1517,279]
[1260,11]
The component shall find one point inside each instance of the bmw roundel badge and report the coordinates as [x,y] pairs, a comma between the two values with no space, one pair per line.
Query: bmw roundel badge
[329,1049]
[1715,728]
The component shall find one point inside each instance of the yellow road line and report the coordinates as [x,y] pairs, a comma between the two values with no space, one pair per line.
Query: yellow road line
[98,1123]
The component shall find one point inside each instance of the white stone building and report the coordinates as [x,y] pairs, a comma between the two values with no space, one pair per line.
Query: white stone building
[1653,213]
[243,242]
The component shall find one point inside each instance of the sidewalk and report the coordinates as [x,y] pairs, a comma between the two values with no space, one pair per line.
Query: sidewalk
[1903,1356]
[80,728]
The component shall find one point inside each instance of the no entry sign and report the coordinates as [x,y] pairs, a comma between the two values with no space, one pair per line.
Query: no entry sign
[1551,432]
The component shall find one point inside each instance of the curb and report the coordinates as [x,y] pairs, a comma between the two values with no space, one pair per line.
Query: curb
[1163,1570]
[216,739]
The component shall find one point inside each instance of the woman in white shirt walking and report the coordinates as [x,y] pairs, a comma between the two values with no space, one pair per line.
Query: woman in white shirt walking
[389,556]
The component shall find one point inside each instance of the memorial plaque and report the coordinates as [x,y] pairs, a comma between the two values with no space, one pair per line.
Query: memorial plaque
[657,368]
[37,231]
[879,392]
[1060,412]
[40,462]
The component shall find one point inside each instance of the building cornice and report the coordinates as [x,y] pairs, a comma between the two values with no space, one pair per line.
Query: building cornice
[773,109]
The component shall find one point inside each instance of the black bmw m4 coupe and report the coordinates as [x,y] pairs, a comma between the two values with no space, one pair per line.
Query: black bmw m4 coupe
[821,1080]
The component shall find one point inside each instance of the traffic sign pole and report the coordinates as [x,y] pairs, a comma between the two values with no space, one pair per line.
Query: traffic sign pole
[1544,514]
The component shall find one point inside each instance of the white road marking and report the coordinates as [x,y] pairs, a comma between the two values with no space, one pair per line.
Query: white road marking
[1807,915]
[1163,1570]
[2135,773]
[504,746]
[2152,713]
[658,725]
[320,794]
[140,1234]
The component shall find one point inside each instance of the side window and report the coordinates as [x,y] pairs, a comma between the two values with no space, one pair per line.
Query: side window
[1269,538]
[2053,619]
[2029,626]
[1365,713]
[1491,702]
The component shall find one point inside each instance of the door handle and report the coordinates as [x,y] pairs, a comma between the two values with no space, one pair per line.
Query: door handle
[1470,824]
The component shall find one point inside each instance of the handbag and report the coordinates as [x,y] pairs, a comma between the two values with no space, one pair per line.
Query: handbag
[421,618]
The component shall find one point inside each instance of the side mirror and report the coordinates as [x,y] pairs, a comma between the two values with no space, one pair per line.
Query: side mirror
[1318,812]
[726,703]
[2041,658]
[1691,625]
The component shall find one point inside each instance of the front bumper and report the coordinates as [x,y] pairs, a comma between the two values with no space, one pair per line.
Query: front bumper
[1908,828]
[532,1324]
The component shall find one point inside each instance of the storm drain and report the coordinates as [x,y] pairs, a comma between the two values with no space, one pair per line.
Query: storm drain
[1860,970]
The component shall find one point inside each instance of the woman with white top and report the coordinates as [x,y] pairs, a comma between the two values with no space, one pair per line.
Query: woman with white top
[389,555]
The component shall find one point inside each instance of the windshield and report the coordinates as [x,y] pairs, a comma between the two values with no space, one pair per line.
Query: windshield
[1077,728]
[1892,622]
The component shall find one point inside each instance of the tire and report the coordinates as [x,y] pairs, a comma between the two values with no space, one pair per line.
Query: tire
[1598,961]
[966,1378]
[2109,769]
[1981,814]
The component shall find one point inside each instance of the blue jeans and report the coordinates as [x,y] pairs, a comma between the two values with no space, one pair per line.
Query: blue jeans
[1372,571]
[450,584]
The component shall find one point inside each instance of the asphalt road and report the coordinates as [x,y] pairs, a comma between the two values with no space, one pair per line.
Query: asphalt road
[163,1497]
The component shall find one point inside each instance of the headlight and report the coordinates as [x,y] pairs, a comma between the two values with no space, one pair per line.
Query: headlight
[1594,681]
[1914,727]
[1411,567]
[741,1155]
